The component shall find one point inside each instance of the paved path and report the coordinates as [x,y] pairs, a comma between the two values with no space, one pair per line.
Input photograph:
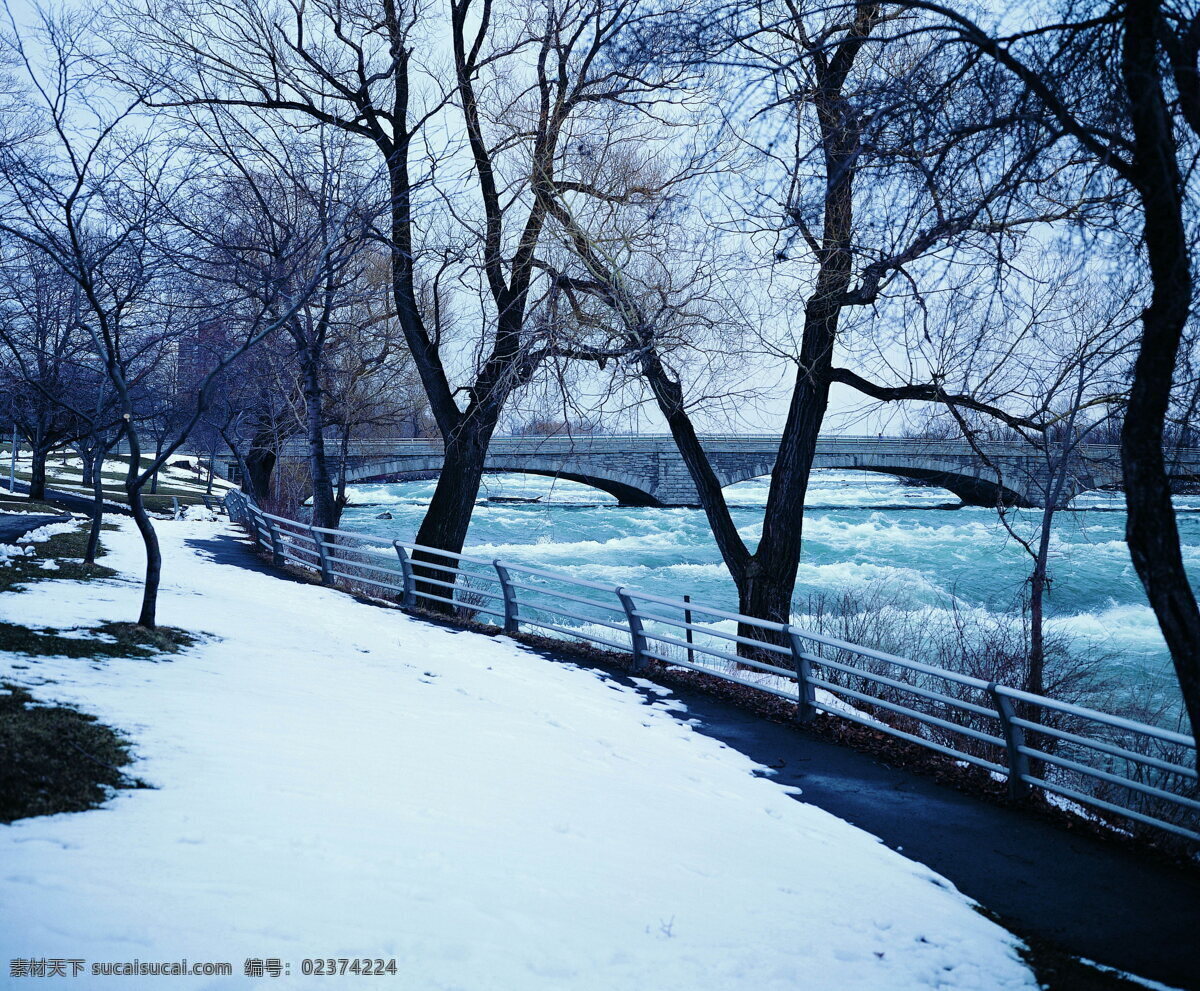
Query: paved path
[81,504]
[13,526]
[1088,897]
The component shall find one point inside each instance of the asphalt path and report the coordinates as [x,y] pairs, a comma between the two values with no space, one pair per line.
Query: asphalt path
[13,526]
[1091,898]
[80,504]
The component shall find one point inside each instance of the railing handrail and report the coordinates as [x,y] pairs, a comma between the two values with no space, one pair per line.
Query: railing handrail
[285,539]
[1097,715]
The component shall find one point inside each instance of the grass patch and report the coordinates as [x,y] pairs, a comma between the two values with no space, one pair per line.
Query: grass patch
[153,502]
[55,758]
[181,483]
[67,545]
[164,503]
[66,550]
[105,640]
[19,504]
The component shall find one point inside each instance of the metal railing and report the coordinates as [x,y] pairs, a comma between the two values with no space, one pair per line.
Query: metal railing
[1115,766]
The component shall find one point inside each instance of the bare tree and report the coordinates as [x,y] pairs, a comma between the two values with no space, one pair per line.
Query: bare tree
[1119,81]
[885,166]
[54,387]
[91,193]
[527,81]
[253,412]
[284,186]
[367,385]
[1076,349]
[42,350]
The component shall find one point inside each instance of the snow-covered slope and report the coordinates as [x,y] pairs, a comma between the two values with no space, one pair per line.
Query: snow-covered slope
[64,472]
[337,780]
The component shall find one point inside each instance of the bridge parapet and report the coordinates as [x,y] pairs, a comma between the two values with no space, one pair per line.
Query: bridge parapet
[647,469]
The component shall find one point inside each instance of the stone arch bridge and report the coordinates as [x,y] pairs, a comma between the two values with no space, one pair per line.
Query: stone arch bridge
[647,470]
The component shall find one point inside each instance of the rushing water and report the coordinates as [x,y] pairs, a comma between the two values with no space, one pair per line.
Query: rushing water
[865,534]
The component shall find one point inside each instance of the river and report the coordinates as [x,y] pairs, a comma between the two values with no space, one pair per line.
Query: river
[869,539]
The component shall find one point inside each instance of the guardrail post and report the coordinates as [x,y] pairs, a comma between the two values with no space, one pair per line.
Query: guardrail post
[261,526]
[687,618]
[1014,739]
[806,692]
[256,529]
[409,600]
[512,617]
[637,633]
[277,557]
[322,553]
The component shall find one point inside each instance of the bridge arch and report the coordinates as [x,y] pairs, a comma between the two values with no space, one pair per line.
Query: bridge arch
[973,488]
[976,488]
[628,490]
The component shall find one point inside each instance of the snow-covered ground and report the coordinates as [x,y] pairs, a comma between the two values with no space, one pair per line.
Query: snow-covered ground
[24,547]
[64,471]
[334,779]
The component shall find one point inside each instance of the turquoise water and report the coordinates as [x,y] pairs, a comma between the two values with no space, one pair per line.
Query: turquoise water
[865,534]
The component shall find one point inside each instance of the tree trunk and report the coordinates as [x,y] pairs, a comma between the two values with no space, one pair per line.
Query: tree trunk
[766,579]
[765,593]
[325,511]
[777,558]
[342,499]
[148,615]
[1039,578]
[88,456]
[259,464]
[1035,674]
[133,490]
[445,524]
[97,483]
[1151,530]
[37,478]
[158,444]
[243,471]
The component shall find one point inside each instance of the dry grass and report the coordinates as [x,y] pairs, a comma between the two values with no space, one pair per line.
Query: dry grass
[54,758]
[105,640]
[67,550]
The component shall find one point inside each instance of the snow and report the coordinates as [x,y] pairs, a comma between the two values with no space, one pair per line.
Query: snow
[46,532]
[10,552]
[334,779]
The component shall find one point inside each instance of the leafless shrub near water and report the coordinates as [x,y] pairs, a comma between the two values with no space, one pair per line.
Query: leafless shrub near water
[995,648]
[290,489]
